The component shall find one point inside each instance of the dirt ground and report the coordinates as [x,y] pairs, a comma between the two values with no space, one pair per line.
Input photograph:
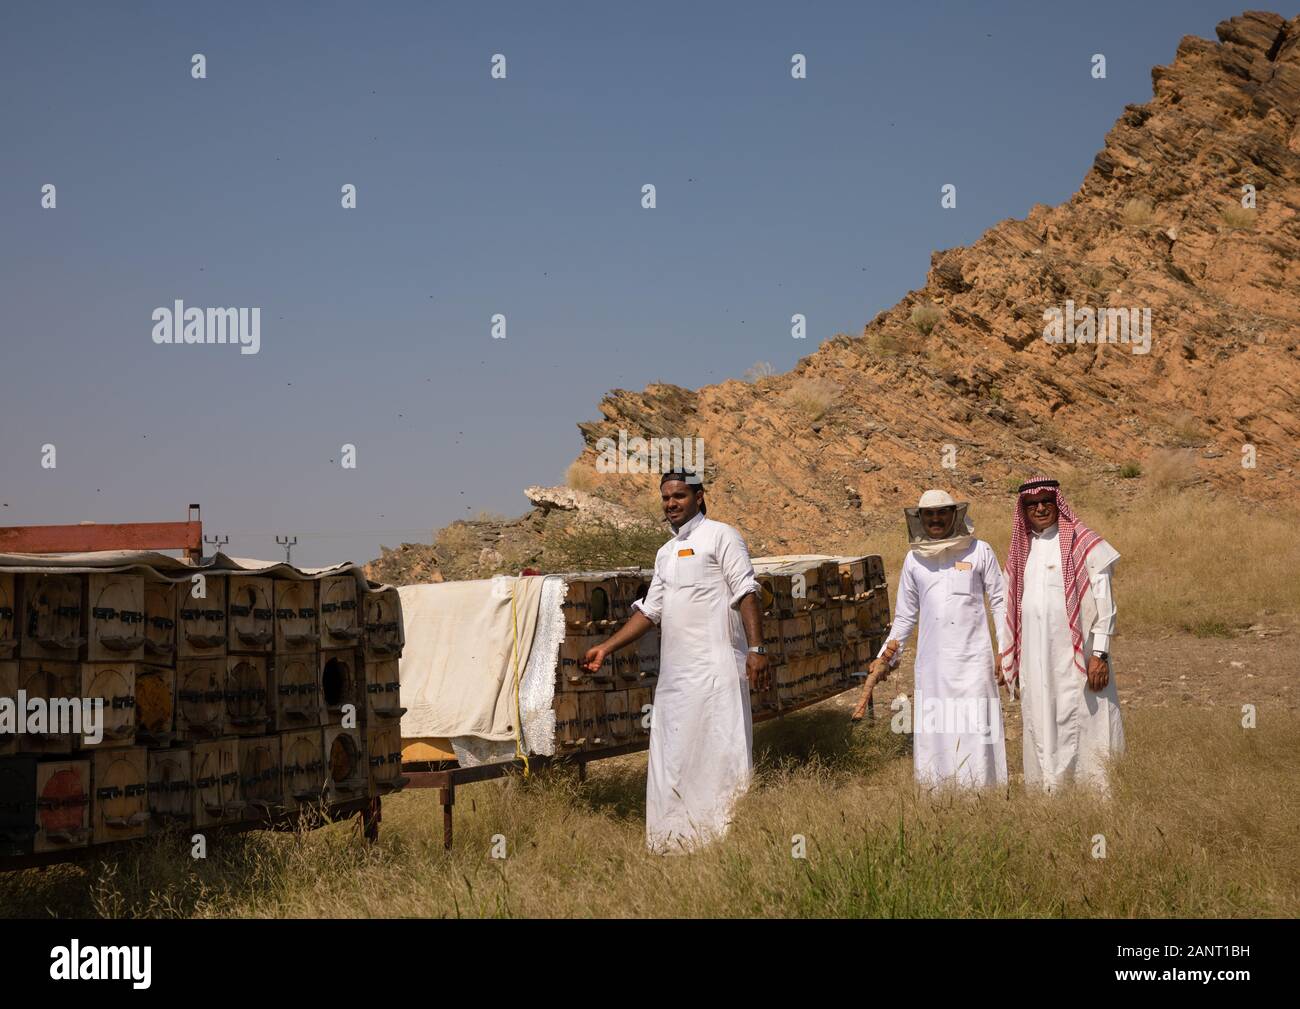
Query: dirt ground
[1259,667]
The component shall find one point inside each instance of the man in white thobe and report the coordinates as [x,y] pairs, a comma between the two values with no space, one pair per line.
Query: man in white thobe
[705,599]
[957,713]
[1061,617]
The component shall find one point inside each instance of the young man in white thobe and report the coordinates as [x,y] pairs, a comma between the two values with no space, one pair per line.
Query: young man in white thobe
[1061,617]
[956,711]
[705,599]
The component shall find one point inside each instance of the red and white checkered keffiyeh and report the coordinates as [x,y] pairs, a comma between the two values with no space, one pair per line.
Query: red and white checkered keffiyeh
[1077,541]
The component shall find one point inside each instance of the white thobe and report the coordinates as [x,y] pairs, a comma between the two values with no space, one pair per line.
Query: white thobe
[701,729]
[1070,730]
[958,734]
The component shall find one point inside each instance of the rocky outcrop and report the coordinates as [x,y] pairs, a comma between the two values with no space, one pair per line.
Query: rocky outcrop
[959,371]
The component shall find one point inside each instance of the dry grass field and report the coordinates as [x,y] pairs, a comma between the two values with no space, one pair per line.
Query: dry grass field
[1203,820]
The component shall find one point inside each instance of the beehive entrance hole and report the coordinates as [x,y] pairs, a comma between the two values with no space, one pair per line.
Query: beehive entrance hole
[334,682]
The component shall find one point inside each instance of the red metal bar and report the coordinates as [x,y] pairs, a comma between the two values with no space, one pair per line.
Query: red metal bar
[187,536]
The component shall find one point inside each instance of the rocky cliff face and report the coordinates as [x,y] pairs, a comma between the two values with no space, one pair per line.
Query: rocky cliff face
[1158,224]
[959,372]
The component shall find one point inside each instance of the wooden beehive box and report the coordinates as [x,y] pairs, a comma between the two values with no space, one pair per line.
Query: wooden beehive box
[647,658]
[297,628]
[383,689]
[201,620]
[200,698]
[342,683]
[640,706]
[875,571]
[828,628]
[829,580]
[347,774]
[783,679]
[797,636]
[114,684]
[777,595]
[852,630]
[119,808]
[866,650]
[570,673]
[853,578]
[49,620]
[47,679]
[160,622]
[251,627]
[171,788]
[382,633]
[617,717]
[625,590]
[340,618]
[589,605]
[568,721]
[296,679]
[302,763]
[215,765]
[8,617]
[155,705]
[114,615]
[261,784]
[17,805]
[594,723]
[63,805]
[384,749]
[9,692]
[248,698]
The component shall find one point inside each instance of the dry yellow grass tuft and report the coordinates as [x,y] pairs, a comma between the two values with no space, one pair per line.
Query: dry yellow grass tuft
[580,476]
[1202,823]
[812,397]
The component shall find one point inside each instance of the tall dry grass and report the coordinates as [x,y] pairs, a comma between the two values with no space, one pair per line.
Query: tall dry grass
[1202,822]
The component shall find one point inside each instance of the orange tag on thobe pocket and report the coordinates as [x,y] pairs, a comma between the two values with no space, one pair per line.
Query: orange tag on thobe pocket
[686,553]
[962,565]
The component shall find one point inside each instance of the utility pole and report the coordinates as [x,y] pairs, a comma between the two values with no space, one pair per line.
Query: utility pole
[288,543]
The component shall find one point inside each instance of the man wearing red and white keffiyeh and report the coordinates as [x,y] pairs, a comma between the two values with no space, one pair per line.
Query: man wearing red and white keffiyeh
[1060,619]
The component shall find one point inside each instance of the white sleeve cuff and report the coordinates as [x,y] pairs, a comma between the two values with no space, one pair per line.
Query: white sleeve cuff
[652,617]
[750,585]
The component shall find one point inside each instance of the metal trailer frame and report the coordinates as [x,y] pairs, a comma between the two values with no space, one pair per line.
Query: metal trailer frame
[446,775]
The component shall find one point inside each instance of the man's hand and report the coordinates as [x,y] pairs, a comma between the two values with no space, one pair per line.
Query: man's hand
[1098,673]
[595,658]
[758,670]
[879,668]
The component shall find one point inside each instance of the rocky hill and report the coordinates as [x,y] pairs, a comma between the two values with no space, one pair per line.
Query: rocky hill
[957,386]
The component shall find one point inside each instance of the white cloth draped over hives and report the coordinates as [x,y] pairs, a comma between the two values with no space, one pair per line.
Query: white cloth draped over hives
[467,645]
[793,564]
[162,566]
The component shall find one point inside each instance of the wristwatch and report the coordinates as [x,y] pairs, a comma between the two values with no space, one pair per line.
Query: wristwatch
[758,649]
[1104,656]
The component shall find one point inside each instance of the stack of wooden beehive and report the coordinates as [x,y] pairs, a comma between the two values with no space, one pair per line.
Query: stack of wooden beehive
[608,708]
[823,621]
[227,697]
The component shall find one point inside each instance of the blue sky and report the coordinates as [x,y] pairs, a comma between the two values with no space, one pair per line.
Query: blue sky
[474,197]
